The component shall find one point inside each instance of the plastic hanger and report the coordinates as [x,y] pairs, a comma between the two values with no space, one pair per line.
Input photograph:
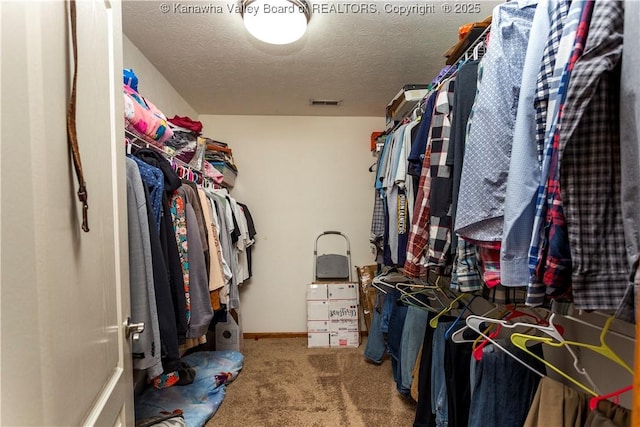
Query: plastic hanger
[450,330]
[593,402]
[520,341]
[474,324]
[410,298]
[379,284]
[410,291]
[554,331]
[434,320]
[458,336]
[513,313]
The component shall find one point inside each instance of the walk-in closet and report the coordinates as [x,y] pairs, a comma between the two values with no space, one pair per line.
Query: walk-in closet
[319,213]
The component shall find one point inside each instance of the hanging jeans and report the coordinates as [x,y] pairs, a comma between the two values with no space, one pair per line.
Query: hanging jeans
[497,399]
[439,401]
[412,336]
[374,350]
[394,338]
[424,414]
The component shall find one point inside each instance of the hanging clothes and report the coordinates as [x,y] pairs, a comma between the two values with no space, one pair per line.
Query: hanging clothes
[630,144]
[146,350]
[524,168]
[539,245]
[590,167]
[490,127]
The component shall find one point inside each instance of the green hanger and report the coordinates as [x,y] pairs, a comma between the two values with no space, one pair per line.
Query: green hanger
[434,321]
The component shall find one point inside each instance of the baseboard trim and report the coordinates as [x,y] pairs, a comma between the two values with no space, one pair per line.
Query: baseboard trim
[259,335]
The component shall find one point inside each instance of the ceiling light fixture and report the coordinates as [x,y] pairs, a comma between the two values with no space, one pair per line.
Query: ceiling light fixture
[276,21]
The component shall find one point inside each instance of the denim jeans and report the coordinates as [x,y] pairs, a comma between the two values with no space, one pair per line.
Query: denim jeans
[375,348]
[394,337]
[498,399]
[389,301]
[424,414]
[412,337]
[439,404]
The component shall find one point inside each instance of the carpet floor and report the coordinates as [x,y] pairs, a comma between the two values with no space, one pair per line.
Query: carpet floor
[284,383]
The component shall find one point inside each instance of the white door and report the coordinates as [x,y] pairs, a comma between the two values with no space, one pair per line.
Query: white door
[64,293]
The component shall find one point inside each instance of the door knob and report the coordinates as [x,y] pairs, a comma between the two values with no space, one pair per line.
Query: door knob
[133,329]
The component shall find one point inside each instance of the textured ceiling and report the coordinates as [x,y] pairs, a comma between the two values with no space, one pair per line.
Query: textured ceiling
[360,57]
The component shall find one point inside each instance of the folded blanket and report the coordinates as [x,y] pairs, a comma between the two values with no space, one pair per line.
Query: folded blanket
[144,117]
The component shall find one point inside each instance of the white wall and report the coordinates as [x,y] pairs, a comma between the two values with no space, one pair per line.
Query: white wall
[299,176]
[153,85]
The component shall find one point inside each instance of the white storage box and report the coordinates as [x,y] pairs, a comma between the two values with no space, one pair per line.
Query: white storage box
[343,309]
[317,291]
[344,325]
[318,310]
[344,339]
[318,339]
[318,326]
[343,290]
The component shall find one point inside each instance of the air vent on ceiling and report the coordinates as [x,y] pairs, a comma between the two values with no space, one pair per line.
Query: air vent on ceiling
[325,102]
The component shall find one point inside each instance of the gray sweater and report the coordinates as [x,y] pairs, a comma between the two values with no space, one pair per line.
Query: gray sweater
[146,350]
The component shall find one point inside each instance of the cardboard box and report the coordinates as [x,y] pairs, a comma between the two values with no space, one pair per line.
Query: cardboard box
[318,310]
[317,291]
[367,292]
[342,291]
[408,97]
[318,339]
[342,309]
[344,339]
[318,326]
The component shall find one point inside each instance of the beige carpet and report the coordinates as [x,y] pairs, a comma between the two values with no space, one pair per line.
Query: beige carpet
[284,383]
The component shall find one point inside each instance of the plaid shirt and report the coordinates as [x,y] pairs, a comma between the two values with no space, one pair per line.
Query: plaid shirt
[538,245]
[419,234]
[466,276]
[545,77]
[590,166]
[440,174]
[429,238]
[557,261]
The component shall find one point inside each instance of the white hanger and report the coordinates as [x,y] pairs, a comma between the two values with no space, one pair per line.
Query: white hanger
[550,330]
[474,323]
[458,336]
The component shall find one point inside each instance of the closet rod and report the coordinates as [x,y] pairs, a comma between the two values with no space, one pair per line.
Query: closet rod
[466,56]
[140,142]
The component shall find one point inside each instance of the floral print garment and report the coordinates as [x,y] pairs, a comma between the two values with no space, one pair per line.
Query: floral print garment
[179,216]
